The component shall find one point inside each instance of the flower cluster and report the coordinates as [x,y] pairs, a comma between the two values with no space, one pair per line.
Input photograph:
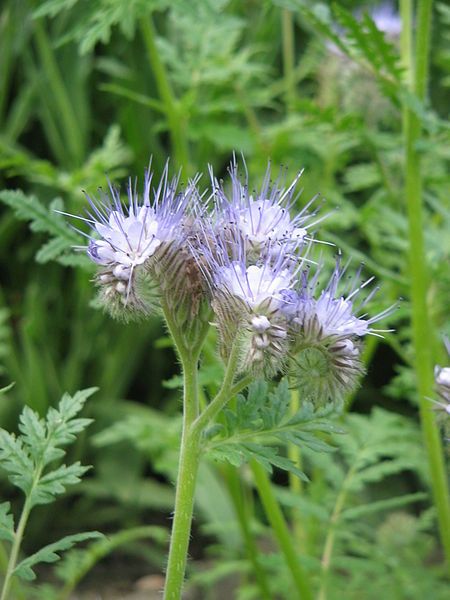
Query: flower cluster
[134,243]
[246,260]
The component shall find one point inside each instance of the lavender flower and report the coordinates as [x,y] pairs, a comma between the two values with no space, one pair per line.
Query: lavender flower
[247,299]
[387,20]
[138,242]
[263,218]
[326,333]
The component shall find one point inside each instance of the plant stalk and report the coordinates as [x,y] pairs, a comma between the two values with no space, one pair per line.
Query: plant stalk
[18,537]
[281,531]
[417,78]
[72,131]
[184,506]
[193,427]
[242,513]
[295,483]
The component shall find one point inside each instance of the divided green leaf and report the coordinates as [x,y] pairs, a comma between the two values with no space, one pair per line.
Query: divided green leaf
[50,553]
[43,219]
[261,425]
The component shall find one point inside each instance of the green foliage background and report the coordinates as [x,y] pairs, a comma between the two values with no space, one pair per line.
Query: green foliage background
[93,88]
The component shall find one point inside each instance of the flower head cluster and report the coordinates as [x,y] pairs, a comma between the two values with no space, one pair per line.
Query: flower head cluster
[262,219]
[327,327]
[246,260]
[132,242]
[248,296]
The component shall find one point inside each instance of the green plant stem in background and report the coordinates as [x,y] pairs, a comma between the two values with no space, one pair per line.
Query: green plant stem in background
[421,323]
[18,536]
[287,26]
[295,483]
[175,119]
[281,531]
[331,534]
[104,547]
[244,518]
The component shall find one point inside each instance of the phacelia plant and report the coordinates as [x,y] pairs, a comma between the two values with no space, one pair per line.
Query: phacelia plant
[241,261]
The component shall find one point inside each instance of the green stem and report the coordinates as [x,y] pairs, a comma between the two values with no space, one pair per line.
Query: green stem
[223,395]
[184,506]
[281,531]
[242,512]
[422,331]
[175,121]
[287,26]
[331,534]
[18,536]
[193,427]
[295,483]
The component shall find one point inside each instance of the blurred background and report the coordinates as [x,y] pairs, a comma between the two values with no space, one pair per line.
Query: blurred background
[90,90]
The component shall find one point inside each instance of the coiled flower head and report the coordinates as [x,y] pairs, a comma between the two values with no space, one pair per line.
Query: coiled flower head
[326,332]
[247,299]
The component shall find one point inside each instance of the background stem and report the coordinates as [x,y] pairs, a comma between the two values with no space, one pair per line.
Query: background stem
[281,531]
[423,337]
[295,483]
[15,548]
[244,518]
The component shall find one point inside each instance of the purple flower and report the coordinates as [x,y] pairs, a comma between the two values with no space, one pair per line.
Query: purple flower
[326,329]
[130,235]
[247,298]
[387,20]
[136,242]
[333,313]
[262,218]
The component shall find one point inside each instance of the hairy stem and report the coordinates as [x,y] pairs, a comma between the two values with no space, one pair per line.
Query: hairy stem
[184,504]
[417,79]
[281,531]
[193,427]
[224,394]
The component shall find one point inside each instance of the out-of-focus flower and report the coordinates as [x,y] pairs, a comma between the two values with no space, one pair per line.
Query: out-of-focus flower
[387,20]
[345,83]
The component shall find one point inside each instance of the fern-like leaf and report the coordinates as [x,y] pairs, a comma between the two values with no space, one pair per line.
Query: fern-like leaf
[50,553]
